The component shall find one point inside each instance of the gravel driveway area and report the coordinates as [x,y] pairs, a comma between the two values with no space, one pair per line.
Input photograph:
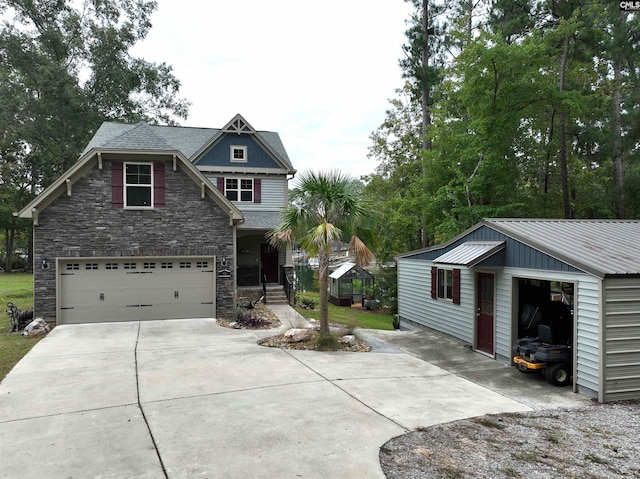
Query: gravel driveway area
[599,441]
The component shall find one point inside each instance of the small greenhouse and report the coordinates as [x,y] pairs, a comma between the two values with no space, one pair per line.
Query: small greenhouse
[348,283]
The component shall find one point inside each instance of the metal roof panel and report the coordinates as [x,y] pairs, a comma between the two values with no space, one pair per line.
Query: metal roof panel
[470,253]
[599,247]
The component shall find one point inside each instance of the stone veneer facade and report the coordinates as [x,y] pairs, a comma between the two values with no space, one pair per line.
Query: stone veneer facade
[86,224]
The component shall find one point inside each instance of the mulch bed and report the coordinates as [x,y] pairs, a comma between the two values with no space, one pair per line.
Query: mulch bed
[311,344]
[260,317]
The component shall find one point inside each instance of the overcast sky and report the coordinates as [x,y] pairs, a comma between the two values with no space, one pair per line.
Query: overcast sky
[318,73]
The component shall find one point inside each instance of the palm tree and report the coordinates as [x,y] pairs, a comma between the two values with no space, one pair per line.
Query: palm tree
[325,207]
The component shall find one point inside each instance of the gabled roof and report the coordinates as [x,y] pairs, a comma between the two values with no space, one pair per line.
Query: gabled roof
[113,139]
[342,270]
[346,268]
[189,141]
[598,247]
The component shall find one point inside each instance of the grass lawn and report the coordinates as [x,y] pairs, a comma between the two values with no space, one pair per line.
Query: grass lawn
[17,288]
[359,317]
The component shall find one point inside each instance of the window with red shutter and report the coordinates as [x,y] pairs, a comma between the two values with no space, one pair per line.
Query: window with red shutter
[257,190]
[434,282]
[455,296]
[158,185]
[137,184]
[117,193]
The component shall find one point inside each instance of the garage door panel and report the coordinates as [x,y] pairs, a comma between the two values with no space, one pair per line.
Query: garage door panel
[131,289]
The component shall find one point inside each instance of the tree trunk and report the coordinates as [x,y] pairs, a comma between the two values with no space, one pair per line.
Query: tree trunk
[562,136]
[426,114]
[10,234]
[323,279]
[618,171]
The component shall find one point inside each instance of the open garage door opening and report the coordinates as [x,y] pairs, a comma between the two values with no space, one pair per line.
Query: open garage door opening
[548,303]
[545,329]
[94,290]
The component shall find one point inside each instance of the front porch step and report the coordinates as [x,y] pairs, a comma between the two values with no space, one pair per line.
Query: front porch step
[275,294]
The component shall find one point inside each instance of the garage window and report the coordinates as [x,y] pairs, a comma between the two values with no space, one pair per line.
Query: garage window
[166,265]
[445,284]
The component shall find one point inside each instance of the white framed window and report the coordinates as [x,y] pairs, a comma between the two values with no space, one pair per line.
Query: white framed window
[238,154]
[138,185]
[239,189]
[445,284]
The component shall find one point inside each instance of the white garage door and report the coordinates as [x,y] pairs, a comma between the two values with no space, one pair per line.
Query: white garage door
[132,289]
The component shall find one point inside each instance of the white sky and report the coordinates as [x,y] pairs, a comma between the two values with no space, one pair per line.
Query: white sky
[318,73]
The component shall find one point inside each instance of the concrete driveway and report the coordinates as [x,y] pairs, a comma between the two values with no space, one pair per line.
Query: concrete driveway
[188,398]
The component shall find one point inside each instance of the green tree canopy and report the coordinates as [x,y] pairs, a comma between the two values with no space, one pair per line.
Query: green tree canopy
[534,114]
[66,67]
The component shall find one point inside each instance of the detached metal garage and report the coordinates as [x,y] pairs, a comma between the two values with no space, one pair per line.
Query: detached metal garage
[130,289]
[481,285]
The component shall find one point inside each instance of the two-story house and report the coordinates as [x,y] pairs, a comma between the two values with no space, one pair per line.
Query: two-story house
[156,222]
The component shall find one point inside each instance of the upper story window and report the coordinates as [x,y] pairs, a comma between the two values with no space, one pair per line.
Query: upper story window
[239,189]
[138,185]
[238,154]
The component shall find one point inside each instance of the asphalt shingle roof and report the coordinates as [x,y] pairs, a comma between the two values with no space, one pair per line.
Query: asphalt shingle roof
[186,140]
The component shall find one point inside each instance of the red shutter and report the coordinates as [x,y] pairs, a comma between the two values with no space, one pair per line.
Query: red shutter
[434,282]
[456,287]
[220,184]
[158,185]
[117,194]
[257,190]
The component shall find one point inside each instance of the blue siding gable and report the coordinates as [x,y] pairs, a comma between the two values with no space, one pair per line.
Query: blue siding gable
[516,254]
[219,154]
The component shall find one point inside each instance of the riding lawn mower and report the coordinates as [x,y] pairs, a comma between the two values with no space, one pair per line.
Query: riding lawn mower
[551,350]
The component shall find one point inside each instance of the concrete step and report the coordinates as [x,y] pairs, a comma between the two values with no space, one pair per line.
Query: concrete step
[275,294]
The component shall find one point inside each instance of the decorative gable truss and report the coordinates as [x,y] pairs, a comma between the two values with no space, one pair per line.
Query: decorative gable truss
[238,125]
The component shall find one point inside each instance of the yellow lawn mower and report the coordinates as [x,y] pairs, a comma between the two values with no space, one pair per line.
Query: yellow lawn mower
[543,354]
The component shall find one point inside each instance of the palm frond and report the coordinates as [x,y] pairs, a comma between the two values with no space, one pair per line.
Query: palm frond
[362,254]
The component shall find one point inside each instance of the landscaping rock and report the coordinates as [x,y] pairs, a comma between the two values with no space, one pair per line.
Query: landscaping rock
[296,335]
[349,339]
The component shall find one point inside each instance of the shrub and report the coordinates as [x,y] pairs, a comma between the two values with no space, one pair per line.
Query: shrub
[249,318]
[307,303]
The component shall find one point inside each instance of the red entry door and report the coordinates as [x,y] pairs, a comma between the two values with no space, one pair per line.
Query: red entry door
[269,260]
[484,326]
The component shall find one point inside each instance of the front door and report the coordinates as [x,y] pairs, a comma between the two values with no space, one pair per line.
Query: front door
[269,261]
[484,326]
